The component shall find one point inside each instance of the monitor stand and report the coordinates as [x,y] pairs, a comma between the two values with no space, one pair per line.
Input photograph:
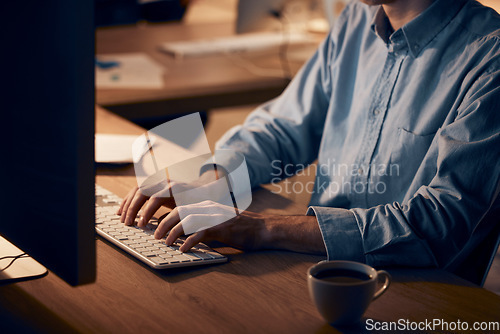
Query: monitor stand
[22,269]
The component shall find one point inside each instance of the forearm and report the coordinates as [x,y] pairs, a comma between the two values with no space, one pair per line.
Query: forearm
[294,233]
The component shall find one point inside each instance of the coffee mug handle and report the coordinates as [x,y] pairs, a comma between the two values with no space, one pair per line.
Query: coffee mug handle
[387,282]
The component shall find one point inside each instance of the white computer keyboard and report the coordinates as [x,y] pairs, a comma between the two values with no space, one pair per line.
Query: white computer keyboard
[140,243]
[235,44]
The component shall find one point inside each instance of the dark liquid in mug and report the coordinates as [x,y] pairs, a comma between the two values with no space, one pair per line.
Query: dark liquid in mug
[342,276]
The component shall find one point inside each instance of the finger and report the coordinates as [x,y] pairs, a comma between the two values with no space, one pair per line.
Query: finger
[136,204]
[176,232]
[191,241]
[167,223]
[193,223]
[149,210]
[126,203]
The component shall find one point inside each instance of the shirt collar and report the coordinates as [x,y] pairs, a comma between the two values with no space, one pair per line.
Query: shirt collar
[422,29]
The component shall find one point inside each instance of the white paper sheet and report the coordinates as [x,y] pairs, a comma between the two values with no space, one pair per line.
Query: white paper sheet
[117,149]
[135,71]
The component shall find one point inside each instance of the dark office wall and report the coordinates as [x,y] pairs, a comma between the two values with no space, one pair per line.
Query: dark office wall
[119,12]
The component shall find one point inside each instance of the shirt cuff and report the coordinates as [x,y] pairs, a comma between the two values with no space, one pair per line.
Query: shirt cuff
[340,232]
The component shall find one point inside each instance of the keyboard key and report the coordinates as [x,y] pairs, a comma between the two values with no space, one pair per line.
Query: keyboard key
[110,200]
[173,252]
[215,255]
[202,255]
[159,260]
[192,256]
[181,258]
[165,256]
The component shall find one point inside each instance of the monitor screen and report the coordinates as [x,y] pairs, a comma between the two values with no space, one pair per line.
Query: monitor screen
[297,15]
[47,134]
[256,15]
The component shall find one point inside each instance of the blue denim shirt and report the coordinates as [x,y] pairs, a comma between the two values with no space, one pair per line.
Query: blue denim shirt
[406,129]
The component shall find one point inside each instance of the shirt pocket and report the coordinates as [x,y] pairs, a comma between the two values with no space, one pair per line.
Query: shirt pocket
[413,159]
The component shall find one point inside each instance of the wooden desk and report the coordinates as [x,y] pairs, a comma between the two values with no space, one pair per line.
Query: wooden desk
[260,292]
[190,84]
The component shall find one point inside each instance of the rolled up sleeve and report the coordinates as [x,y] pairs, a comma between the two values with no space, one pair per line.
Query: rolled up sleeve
[340,232]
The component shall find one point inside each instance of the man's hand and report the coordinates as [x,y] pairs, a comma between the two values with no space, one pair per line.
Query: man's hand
[161,196]
[247,231]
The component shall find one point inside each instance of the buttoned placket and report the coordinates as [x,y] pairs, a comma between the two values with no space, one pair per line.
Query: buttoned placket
[375,119]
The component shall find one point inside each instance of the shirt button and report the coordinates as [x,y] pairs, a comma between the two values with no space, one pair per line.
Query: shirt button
[376,111]
[360,171]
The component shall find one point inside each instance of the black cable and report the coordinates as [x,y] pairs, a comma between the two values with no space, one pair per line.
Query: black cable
[283,50]
[14,258]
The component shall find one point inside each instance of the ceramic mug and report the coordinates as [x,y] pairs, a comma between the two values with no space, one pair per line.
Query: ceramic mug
[342,290]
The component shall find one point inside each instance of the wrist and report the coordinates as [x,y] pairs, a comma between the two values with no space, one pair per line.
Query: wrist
[277,231]
[269,233]
[294,233]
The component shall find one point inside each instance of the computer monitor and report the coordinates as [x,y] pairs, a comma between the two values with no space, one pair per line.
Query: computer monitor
[298,15]
[256,15]
[47,134]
